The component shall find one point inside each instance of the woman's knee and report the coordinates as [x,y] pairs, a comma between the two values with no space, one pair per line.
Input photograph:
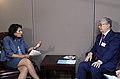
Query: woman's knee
[27,61]
[24,62]
[23,69]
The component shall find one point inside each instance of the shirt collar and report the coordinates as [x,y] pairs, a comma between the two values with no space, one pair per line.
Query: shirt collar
[106,32]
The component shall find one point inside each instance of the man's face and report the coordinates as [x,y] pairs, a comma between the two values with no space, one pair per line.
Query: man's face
[103,26]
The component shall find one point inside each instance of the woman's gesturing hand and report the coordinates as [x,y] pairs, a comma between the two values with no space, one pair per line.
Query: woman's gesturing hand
[38,45]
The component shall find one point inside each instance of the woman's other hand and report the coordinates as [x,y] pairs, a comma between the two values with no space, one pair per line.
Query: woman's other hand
[26,56]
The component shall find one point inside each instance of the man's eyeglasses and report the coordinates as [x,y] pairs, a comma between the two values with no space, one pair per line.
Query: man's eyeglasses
[101,24]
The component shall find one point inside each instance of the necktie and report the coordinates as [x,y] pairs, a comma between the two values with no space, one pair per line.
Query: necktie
[103,37]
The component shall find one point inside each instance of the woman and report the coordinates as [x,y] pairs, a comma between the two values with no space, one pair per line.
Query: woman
[17,52]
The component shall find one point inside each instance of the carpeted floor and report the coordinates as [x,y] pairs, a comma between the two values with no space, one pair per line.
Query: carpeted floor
[57,75]
[60,75]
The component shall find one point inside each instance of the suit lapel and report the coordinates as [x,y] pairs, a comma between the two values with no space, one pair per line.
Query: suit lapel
[110,33]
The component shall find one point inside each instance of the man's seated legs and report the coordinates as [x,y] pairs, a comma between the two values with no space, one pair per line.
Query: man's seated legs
[97,73]
[83,69]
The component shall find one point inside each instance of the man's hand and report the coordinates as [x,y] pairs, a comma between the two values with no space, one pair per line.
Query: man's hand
[88,57]
[97,64]
[118,73]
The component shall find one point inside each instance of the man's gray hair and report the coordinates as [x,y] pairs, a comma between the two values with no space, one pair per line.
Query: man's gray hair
[107,21]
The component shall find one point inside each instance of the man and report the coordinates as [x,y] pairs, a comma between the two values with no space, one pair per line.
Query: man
[103,57]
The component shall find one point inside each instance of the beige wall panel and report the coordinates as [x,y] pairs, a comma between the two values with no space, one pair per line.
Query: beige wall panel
[17,11]
[64,26]
[109,8]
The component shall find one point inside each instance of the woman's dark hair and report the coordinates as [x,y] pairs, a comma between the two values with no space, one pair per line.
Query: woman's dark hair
[12,29]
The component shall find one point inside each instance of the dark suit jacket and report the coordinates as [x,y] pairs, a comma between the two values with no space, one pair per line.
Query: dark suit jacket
[108,52]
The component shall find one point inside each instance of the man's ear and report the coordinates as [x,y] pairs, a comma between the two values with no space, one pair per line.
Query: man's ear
[108,25]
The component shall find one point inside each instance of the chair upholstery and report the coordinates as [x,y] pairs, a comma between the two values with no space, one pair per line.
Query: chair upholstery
[2,35]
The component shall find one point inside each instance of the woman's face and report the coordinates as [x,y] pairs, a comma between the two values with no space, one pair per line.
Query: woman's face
[18,33]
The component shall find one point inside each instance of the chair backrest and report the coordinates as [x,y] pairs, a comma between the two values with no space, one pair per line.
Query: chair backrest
[2,35]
